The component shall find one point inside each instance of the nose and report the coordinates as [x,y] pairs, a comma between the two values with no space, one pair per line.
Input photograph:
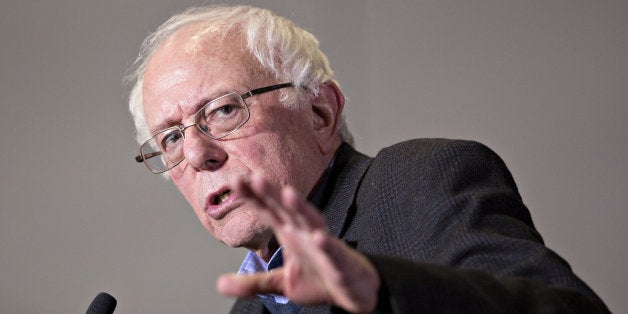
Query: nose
[202,152]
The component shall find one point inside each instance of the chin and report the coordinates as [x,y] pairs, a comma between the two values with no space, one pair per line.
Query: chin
[247,234]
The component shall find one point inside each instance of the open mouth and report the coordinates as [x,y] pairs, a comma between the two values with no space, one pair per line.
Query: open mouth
[218,199]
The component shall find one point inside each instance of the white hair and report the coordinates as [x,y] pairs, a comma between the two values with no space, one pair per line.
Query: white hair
[288,52]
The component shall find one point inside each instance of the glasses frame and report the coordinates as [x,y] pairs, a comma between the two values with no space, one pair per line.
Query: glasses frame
[143,158]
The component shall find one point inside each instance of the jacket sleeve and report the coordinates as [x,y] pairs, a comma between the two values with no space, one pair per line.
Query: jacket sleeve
[446,228]
[409,287]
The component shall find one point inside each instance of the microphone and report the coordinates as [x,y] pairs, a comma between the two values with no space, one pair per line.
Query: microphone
[103,303]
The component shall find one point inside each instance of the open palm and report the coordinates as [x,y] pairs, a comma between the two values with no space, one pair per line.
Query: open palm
[317,269]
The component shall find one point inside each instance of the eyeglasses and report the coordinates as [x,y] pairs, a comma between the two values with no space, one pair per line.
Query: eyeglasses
[216,119]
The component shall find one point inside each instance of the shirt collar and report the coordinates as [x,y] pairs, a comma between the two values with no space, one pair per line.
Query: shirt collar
[254,264]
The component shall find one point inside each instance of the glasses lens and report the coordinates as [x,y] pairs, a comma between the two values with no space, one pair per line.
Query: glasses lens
[223,115]
[164,150]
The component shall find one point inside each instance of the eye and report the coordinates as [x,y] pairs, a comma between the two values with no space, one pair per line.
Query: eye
[203,128]
[170,140]
[222,115]
[223,111]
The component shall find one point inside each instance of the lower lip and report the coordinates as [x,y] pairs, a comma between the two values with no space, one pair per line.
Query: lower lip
[219,211]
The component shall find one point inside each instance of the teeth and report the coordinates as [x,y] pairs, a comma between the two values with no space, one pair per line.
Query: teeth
[222,197]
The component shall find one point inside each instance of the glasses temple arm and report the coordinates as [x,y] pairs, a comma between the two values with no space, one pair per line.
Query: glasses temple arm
[140,158]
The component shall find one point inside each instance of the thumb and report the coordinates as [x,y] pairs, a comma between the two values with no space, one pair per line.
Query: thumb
[233,285]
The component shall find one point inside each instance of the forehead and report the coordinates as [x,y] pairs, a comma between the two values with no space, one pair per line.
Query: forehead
[200,48]
[195,64]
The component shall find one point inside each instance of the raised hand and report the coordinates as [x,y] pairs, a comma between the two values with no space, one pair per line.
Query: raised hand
[317,269]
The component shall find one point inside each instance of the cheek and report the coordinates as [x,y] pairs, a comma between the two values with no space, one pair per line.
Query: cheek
[283,160]
[279,146]
[253,150]
[266,153]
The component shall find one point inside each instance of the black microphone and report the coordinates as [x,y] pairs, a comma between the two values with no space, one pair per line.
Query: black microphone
[103,303]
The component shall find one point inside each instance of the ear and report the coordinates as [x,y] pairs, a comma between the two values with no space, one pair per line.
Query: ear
[326,112]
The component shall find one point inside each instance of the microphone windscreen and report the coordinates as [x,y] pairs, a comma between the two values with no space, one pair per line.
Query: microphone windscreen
[103,303]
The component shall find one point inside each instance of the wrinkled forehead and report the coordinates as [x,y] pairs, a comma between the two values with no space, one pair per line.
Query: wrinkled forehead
[194,38]
[201,43]
[197,41]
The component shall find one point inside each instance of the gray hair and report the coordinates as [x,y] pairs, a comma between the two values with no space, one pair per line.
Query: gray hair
[288,52]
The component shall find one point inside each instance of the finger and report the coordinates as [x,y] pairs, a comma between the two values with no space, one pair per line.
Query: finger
[234,285]
[307,215]
[244,189]
[294,210]
[351,279]
[292,204]
[272,196]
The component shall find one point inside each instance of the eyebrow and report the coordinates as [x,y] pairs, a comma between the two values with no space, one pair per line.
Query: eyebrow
[170,122]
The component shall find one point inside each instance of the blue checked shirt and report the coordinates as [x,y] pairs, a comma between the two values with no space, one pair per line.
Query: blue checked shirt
[253,264]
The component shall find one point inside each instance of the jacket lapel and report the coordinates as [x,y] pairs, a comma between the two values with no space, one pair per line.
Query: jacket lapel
[347,172]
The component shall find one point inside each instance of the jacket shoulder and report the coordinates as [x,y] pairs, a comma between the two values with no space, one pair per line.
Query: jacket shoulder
[427,148]
[429,160]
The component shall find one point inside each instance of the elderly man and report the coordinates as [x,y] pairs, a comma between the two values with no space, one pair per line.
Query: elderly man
[239,107]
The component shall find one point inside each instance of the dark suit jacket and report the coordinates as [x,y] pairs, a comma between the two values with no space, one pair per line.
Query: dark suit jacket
[444,225]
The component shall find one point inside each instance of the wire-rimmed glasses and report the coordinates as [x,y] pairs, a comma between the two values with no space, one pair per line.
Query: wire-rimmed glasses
[216,119]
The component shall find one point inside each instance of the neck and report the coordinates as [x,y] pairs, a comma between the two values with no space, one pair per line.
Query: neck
[267,252]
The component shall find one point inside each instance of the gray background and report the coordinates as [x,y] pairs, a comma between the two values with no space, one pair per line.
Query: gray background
[544,83]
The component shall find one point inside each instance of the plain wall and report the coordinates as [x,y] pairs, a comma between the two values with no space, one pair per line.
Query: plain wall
[543,83]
